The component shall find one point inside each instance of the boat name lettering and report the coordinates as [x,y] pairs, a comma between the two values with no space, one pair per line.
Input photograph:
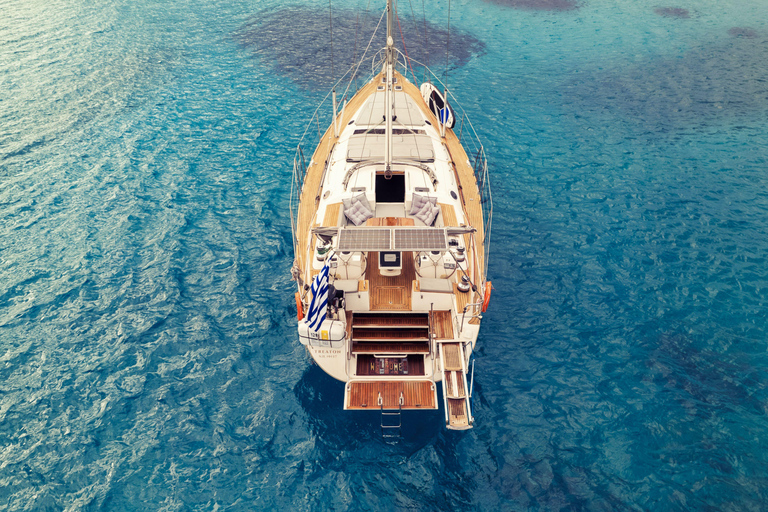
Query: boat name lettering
[326,352]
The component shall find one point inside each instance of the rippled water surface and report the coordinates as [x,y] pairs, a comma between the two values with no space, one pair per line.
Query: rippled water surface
[148,355]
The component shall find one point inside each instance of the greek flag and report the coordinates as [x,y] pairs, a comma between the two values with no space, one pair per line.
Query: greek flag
[319,304]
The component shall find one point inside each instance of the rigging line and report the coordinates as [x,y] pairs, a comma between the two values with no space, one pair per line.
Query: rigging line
[357,32]
[426,40]
[447,44]
[373,98]
[415,24]
[330,18]
[402,38]
[370,41]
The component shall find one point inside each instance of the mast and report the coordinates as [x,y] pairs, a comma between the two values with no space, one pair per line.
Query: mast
[389,92]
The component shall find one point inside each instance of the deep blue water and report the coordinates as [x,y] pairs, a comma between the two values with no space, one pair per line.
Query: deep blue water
[148,355]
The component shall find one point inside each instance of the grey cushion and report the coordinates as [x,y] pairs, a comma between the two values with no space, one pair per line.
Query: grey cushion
[419,201]
[358,213]
[359,197]
[428,213]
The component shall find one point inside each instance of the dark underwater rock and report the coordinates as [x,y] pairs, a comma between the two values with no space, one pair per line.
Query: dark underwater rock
[297,40]
[747,32]
[540,5]
[672,12]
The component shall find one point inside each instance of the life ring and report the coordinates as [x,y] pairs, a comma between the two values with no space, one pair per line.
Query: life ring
[487,297]
[299,307]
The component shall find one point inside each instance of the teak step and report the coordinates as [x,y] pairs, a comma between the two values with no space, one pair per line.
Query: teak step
[379,334]
[390,348]
[390,320]
[418,394]
[454,384]
[458,415]
[451,355]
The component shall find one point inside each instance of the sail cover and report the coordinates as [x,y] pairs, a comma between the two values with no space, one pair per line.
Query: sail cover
[406,111]
[413,147]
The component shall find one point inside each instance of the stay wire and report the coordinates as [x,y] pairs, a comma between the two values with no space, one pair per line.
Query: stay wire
[330,18]
[408,59]
[415,24]
[447,45]
[357,33]
[426,40]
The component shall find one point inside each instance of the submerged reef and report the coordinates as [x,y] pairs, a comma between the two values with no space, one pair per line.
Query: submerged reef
[540,5]
[297,40]
[672,12]
[747,32]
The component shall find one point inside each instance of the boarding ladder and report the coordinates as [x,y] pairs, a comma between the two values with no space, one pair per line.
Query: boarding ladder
[458,413]
[390,419]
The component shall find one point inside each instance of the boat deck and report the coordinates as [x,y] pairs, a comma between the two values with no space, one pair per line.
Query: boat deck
[442,325]
[468,189]
[464,172]
[390,293]
[420,394]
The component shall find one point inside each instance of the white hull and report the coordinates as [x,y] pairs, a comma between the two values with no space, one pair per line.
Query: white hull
[392,205]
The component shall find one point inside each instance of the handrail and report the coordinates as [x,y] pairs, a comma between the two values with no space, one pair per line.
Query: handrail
[474,305]
[432,347]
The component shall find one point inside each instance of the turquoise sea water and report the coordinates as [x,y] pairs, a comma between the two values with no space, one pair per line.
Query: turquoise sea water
[148,355]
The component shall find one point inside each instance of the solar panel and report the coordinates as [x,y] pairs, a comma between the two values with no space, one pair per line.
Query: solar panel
[365,239]
[420,239]
[381,239]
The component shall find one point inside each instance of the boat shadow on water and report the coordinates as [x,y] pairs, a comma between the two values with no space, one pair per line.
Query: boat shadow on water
[321,397]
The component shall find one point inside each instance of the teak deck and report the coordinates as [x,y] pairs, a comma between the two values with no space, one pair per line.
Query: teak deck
[416,395]
[462,299]
[390,293]
[390,348]
[396,320]
[454,385]
[442,326]
[332,215]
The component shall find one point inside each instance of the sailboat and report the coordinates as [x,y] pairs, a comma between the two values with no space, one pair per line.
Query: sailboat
[391,220]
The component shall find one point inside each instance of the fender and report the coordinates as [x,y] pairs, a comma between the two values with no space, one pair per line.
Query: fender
[299,307]
[487,297]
